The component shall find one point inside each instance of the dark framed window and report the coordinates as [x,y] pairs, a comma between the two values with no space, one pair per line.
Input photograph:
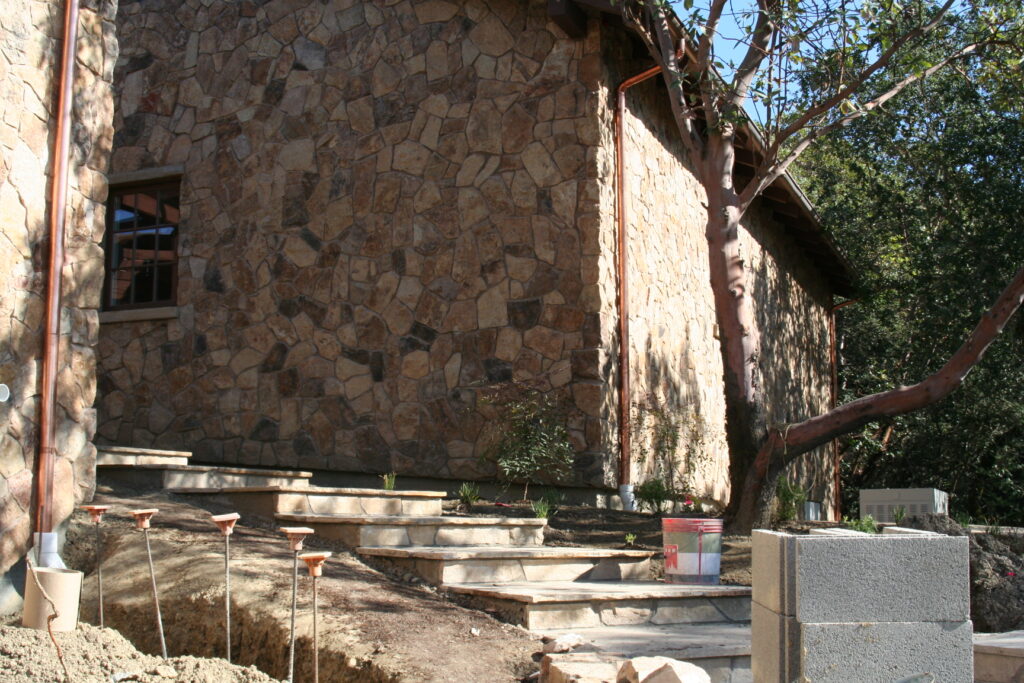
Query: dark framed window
[142,246]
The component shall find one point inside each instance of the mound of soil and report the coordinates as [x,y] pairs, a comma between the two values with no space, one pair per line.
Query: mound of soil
[99,655]
[997,574]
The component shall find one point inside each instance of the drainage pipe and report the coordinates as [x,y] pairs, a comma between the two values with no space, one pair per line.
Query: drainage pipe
[625,400]
[58,217]
[833,352]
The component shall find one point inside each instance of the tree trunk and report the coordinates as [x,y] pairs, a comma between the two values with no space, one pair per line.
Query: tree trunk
[739,338]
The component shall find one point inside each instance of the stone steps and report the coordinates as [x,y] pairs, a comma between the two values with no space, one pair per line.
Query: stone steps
[503,565]
[400,531]
[196,478]
[129,455]
[590,604]
[267,502]
[722,650]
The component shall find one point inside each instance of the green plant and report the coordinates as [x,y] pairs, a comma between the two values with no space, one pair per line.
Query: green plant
[388,480]
[867,524]
[898,514]
[652,495]
[789,498]
[541,508]
[554,498]
[630,539]
[529,439]
[963,518]
[469,494]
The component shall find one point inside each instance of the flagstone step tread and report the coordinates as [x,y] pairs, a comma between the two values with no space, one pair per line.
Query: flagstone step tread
[575,591]
[328,491]
[405,520]
[678,641]
[133,450]
[597,666]
[498,553]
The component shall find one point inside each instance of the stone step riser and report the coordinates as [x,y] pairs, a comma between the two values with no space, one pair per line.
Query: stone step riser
[103,458]
[591,614]
[308,504]
[506,570]
[405,535]
[177,479]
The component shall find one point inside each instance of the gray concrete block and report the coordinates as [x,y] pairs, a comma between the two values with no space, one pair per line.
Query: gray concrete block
[886,652]
[836,532]
[775,646]
[773,570]
[880,578]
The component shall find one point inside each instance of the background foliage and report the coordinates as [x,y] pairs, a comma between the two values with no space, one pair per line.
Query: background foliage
[927,199]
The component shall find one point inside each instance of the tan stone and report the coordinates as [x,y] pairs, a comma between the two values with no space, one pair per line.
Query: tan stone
[297,155]
[452,369]
[539,165]
[491,37]
[416,364]
[492,308]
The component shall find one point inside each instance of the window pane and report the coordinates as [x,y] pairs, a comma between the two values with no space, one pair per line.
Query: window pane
[165,282]
[121,287]
[144,284]
[165,244]
[146,208]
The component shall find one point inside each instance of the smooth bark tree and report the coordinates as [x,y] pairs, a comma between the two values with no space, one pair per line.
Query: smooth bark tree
[856,51]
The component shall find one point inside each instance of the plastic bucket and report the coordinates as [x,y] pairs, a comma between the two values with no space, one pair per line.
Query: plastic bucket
[64,586]
[693,550]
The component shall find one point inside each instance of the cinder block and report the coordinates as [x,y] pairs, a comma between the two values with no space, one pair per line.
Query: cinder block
[775,646]
[836,532]
[886,652]
[773,570]
[880,578]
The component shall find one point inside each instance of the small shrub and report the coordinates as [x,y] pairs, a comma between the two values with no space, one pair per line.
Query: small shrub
[898,514]
[789,498]
[541,508]
[529,439]
[630,539]
[555,500]
[388,480]
[469,494]
[964,519]
[867,525]
[652,495]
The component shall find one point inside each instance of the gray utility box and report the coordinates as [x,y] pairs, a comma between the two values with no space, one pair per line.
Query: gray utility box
[882,504]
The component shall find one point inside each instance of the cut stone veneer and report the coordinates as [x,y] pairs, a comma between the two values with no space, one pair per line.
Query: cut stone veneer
[30,42]
[387,205]
[865,607]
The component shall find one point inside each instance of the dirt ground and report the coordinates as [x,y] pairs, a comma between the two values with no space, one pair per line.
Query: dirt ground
[95,655]
[371,627]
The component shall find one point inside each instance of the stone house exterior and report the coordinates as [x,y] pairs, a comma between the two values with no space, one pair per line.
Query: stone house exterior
[380,207]
[30,51]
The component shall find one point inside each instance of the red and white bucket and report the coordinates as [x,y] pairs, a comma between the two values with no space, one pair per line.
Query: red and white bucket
[693,550]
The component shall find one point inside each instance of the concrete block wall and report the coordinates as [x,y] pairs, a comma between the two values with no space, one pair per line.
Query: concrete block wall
[865,607]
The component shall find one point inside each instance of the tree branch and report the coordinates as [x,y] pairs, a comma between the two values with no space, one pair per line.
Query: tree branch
[667,57]
[707,41]
[768,174]
[756,52]
[883,60]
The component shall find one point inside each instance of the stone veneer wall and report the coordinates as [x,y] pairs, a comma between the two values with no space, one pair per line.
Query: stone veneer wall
[675,357]
[384,206]
[30,33]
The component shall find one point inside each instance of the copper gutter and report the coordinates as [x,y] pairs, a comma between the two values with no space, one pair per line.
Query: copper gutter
[623,270]
[58,217]
[834,398]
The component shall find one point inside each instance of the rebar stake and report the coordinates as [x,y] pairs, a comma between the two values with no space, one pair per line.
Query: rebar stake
[142,518]
[226,524]
[295,535]
[315,565]
[96,513]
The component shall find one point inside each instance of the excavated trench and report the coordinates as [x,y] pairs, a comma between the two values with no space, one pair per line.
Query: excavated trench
[371,628]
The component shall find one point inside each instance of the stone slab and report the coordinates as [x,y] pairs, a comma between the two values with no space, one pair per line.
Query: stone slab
[390,520]
[999,657]
[598,590]
[886,652]
[687,642]
[133,450]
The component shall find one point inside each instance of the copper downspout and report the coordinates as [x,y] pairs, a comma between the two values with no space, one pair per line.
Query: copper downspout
[623,293]
[58,217]
[834,364]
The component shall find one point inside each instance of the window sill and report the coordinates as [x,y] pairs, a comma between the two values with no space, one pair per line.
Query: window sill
[139,314]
